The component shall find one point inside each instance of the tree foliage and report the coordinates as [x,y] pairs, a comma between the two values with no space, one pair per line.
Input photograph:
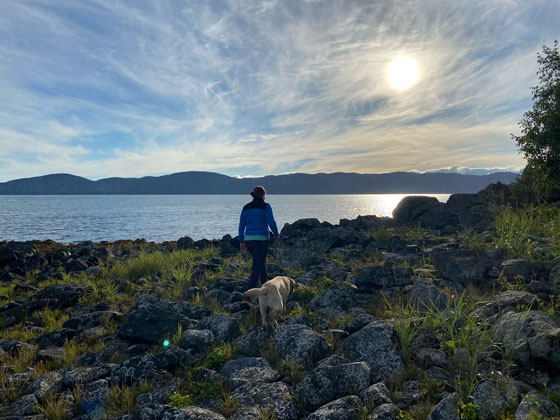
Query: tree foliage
[540,132]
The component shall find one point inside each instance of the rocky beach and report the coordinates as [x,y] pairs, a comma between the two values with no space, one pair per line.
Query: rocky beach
[431,314]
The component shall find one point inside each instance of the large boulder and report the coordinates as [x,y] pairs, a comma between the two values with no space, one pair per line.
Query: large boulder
[275,396]
[492,397]
[533,336]
[138,369]
[301,344]
[333,377]
[447,409]
[92,319]
[347,408]
[63,295]
[424,211]
[373,278]
[151,319]
[533,405]
[424,295]
[374,344]
[252,341]
[462,266]
[223,327]
[335,300]
[508,301]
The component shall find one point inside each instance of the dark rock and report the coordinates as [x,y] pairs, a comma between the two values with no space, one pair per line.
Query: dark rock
[254,374]
[514,269]
[229,284]
[55,338]
[51,353]
[474,267]
[275,396]
[185,243]
[223,327]
[138,349]
[331,379]
[92,319]
[95,270]
[197,342]
[23,406]
[45,384]
[171,357]
[535,404]
[410,395]
[85,375]
[347,408]
[447,409]
[63,295]
[533,336]
[137,369]
[424,211]
[13,347]
[373,344]
[376,394]
[7,256]
[252,341]
[492,397]
[232,366]
[509,301]
[152,319]
[384,412]
[334,300]
[94,397]
[425,295]
[300,344]
[431,357]
[377,277]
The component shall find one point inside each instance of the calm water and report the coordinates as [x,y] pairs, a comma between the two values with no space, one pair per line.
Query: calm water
[160,218]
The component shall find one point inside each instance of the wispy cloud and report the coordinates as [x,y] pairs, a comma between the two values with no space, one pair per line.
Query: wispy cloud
[258,87]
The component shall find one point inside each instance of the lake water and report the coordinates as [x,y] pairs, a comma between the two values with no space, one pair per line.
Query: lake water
[159,218]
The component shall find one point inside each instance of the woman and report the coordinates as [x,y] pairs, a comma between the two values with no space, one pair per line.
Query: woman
[254,223]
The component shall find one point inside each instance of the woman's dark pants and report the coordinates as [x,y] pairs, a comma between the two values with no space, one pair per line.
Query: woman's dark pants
[258,250]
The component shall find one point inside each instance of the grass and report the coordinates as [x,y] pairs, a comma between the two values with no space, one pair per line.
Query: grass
[266,414]
[407,323]
[516,230]
[51,319]
[55,407]
[191,390]
[471,239]
[120,401]
[219,355]
[19,332]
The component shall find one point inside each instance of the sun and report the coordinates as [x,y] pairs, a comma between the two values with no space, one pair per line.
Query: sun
[403,73]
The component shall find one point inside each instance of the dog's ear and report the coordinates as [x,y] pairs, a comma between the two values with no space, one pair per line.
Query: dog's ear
[292,285]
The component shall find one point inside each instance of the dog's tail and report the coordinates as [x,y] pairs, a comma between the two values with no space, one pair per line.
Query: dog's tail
[255,292]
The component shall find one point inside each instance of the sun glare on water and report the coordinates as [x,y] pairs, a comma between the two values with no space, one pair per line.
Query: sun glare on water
[403,73]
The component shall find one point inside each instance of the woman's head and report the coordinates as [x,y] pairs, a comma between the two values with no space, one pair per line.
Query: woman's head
[258,192]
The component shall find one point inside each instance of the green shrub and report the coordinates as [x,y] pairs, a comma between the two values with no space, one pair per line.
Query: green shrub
[219,355]
[516,230]
[305,293]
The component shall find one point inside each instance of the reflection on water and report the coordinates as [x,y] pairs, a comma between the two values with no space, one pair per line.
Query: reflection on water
[168,217]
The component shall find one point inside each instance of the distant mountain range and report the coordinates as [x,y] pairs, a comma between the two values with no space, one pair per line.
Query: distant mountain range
[214,183]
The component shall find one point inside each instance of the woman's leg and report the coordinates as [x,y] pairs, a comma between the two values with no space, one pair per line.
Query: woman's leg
[258,250]
[264,274]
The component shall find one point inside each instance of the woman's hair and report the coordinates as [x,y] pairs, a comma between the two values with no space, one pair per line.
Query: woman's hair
[258,191]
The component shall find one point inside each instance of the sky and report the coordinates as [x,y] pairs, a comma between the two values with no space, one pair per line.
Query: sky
[102,88]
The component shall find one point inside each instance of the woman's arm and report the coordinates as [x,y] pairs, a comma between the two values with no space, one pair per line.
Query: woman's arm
[270,220]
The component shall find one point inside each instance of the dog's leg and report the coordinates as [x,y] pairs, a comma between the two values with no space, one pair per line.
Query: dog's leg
[275,316]
[263,308]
